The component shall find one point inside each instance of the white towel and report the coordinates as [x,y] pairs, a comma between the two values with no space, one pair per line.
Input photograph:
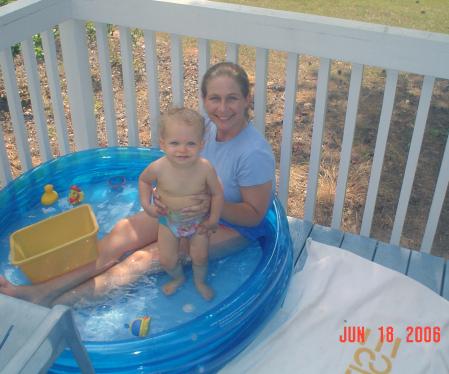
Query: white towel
[338,291]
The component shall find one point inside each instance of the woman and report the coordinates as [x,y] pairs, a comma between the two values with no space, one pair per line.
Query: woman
[245,164]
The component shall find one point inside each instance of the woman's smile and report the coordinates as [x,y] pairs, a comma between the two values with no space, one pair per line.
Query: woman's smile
[225,105]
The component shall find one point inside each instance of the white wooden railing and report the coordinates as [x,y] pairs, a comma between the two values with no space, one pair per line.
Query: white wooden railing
[361,44]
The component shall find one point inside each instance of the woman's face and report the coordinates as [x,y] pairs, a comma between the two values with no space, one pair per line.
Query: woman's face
[225,105]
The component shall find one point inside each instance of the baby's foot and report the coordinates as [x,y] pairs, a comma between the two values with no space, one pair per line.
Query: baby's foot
[171,287]
[205,290]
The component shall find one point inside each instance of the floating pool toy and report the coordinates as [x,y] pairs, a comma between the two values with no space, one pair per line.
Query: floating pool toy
[116,183]
[50,196]
[210,340]
[76,196]
[139,326]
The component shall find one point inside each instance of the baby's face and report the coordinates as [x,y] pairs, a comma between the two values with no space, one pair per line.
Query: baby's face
[182,143]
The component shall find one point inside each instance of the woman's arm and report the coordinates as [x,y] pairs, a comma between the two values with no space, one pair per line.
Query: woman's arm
[253,208]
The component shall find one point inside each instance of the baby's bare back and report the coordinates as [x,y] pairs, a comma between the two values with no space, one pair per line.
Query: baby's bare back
[175,186]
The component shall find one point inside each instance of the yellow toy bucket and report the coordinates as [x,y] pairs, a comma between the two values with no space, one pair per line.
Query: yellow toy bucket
[56,245]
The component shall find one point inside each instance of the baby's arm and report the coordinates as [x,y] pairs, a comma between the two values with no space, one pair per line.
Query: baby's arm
[217,198]
[146,180]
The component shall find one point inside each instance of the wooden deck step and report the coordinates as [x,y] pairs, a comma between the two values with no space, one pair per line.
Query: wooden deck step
[429,270]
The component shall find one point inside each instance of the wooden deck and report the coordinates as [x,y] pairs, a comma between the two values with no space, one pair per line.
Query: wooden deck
[429,270]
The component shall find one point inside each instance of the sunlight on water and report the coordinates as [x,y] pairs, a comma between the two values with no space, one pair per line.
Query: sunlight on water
[106,321]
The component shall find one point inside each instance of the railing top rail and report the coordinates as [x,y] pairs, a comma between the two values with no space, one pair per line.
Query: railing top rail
[412,51]
[24,18]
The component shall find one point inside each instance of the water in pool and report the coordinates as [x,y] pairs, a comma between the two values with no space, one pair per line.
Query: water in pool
[106,321]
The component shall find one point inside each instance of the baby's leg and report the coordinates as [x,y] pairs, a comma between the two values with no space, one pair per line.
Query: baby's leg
[169,257]
[199,252]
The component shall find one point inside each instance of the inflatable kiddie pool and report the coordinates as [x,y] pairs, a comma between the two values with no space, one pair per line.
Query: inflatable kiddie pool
[202,345]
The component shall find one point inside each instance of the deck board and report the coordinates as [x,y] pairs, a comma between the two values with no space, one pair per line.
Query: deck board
[445,291]
[359,245]
[428,270]
[392,257]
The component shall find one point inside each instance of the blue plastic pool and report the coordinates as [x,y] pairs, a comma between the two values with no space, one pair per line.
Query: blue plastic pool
[201,345]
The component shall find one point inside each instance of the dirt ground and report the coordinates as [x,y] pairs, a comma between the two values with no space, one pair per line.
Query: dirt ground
[401,131]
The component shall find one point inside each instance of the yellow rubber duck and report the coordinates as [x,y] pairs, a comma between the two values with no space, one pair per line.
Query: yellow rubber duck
[50,196]
[76,196]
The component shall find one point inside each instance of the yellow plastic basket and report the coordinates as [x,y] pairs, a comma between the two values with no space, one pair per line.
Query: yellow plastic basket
[56,245]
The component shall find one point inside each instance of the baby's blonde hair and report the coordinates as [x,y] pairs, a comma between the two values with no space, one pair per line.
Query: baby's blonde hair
[189,116]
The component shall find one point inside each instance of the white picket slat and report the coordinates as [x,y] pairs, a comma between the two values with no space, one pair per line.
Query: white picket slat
[437,202]
[232,52]
[412,161]
[51,64]
[5,169]
[79,83]
[15,109]
[324,71]
[107,90]
[288,126]
[260,89]
[355,86]
[152,84]
[129,85]
[203,66]
[37,103]
[177,72]
[379,151]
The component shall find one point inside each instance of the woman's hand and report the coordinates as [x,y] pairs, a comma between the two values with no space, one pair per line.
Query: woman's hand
[199,210]
[161,208]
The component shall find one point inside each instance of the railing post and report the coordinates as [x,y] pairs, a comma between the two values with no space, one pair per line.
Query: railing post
[79,83]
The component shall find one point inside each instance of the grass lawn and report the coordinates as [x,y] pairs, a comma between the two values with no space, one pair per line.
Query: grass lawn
[427,15]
